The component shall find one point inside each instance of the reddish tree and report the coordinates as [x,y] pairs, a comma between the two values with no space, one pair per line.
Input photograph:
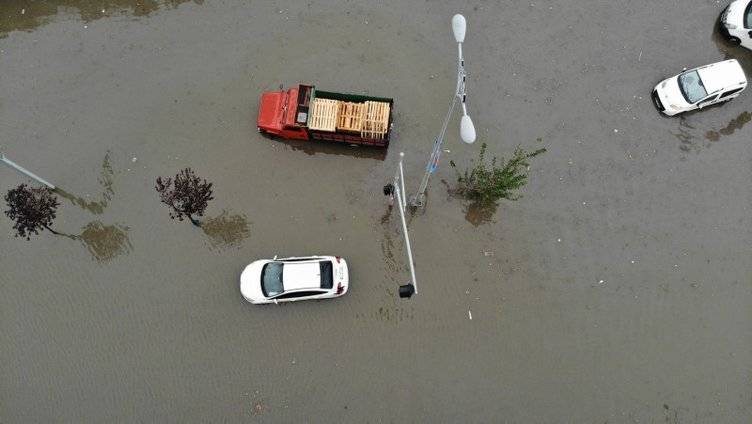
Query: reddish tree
[31,209]
[186,195]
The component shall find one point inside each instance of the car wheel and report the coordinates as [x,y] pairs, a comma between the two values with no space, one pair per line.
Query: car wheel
[735,41]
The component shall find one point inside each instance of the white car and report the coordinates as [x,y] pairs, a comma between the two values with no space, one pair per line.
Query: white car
[296,278]
[700,87]
[736,22]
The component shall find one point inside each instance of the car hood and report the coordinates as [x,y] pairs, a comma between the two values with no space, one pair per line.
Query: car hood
[670,95]
[250,282]
[270,108]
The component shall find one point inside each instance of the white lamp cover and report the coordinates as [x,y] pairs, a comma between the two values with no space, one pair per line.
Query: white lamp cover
[458,27]
[467,129]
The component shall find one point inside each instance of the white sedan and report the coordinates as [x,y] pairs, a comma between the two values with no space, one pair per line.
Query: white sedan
[292,279]
[736,22]
[700,87]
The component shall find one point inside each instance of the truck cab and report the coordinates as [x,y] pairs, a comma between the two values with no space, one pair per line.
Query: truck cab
[285,113]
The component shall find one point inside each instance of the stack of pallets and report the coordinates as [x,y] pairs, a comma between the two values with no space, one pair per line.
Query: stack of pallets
[323,115]
[375,120]
[370,119]
[349,116]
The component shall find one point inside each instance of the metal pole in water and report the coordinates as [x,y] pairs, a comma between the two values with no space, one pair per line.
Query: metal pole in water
[25,171]
[402,204]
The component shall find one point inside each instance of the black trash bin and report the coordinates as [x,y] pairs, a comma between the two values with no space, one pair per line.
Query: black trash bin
[406,291]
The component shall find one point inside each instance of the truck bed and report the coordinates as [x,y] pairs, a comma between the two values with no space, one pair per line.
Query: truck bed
[346,113]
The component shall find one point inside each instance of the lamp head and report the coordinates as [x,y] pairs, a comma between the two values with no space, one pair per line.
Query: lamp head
[467,129]
[458,27]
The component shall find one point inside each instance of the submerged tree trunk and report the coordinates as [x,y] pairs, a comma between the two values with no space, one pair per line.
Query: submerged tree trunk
[70,236]
[52,231]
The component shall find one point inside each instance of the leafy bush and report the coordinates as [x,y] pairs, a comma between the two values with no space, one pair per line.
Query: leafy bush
[487,184]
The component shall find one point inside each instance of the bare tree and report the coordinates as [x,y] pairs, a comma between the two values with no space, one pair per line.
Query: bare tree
[186,194]
[31,209]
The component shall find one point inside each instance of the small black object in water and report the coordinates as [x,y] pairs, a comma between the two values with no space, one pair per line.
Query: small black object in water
[407,290]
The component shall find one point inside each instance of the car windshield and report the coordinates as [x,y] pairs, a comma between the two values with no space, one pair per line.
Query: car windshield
[271,279]
[691,87]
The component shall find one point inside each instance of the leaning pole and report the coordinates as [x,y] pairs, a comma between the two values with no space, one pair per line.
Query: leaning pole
[25,171]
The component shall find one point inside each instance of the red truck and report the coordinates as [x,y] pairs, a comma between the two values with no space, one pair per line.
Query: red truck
[304,113]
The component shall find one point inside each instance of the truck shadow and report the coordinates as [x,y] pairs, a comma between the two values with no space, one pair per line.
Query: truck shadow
[340,149]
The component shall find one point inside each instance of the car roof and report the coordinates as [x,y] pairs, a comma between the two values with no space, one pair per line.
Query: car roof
[721,75]
[301,275]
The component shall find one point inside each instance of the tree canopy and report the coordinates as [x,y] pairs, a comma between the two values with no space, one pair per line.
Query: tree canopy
[500,180]
[32,209]
[186,195]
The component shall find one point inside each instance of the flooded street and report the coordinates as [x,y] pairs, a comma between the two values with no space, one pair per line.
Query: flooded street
[618,289]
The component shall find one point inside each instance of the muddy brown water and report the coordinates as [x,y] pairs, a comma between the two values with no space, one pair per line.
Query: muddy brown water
[618,289]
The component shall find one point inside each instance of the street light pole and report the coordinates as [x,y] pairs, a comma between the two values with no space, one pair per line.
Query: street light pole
[467,130]
[397,189]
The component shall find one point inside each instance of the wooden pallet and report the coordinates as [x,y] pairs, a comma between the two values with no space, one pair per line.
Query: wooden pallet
[350,116]
[323,115]
[375,120]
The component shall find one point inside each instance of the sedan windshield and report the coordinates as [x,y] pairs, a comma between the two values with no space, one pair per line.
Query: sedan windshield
[691,87]
[271,279]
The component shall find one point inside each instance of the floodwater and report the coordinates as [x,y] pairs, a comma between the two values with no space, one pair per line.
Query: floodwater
[618,289]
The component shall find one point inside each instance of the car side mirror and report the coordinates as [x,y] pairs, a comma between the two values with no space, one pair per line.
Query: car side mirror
[684,69]
[275,258]
[276,302]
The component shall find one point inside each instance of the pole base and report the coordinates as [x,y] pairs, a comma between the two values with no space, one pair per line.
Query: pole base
[406,291]
[418,201]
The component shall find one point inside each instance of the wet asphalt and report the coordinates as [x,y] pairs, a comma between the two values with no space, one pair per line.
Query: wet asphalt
[618,289]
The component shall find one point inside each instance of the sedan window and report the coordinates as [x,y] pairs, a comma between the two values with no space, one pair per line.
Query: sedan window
[293,295]
[691,87]
[728,93]
[271,279]
[748,16]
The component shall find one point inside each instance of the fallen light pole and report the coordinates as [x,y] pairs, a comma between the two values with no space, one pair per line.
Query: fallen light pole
[397,189]
[467,129]
[25,171]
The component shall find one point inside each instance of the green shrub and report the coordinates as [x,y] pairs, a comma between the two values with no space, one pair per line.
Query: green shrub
[500,180]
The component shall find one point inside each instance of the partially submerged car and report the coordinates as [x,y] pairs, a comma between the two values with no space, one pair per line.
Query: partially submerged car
[736,23]
[295,278]
[700,87]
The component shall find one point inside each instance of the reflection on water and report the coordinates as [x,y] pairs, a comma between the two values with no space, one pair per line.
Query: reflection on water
[391,268]
[735,124]
[478,213]
[342,149]
[685,135]
[104,242]
[226,230]
[25,15]
[105,180]
[730,51]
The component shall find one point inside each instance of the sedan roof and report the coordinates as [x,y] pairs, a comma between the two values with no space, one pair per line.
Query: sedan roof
[305,275]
